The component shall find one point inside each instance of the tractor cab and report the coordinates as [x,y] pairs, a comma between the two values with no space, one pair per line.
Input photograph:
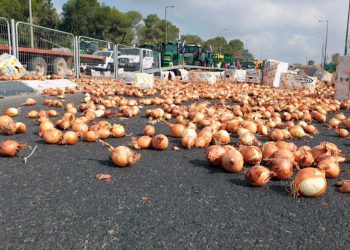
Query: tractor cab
[170,54]
[192,54]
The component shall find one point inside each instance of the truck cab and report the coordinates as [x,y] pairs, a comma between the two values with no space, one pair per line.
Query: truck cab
[170,54]
[129,59]
[108,63]
[192,54]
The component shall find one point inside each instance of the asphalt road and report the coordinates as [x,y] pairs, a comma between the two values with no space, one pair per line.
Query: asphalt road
[55,202]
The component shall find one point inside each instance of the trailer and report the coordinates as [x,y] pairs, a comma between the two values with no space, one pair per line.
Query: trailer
[59,61]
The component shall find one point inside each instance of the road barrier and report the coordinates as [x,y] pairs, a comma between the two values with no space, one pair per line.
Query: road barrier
[45,51]
[5,36]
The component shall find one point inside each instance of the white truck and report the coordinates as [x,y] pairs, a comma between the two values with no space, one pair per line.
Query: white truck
[129,59]
[107,65]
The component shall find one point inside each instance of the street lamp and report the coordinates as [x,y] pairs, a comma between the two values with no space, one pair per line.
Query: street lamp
[347,32]
[325,46]
[166,23]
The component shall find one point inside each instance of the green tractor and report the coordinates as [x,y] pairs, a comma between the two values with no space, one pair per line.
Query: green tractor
[192,55]
[170,54]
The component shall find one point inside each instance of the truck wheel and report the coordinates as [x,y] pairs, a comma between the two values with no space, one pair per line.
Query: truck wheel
[60,66]
[39,65]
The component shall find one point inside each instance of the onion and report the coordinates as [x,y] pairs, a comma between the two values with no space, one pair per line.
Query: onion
[277,135]
[29,102]
[232,161]
[7,125]
[262,130]
[214,155]
[90,136]
[344,186]
[334,123]
[21,128]
[70,138]
[51,136]
[309,182]
[340,116]
[80,128]
[188,141]
[11,112]
[251,126]
[331,168]
[242,131]
[321,118]
[304,157]
[149,130]
[103,133]
[342,132]
[123,156]
[46,125]
[118,131]
[268,149]
[284,154]
[297,132]
[222,137]
[248,139]
[10,148]
[33,114]
[346,123]
[200,142]
[283,168]
[63,124]
[252,155]
[258,176]
[176,130]
[310,129]
[160,142]
[286,145]
[142,142]
[52,113]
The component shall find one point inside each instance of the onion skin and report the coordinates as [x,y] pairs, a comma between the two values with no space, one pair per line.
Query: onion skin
[188,141]
[142,142]
[232,161]
[344,186]
[21,128]
[7,125]
[123,156]
[52,136]
[118,131]
[252,155]
[284,154]
[149,130]
[258,176]
[283,168]
[90,136]
[160,142]
[214,155]
[331,168]
[176,130]
[70,138]
[222,137]
[10,148]
[309,182]
[46,125]
[268,149]
[304,157]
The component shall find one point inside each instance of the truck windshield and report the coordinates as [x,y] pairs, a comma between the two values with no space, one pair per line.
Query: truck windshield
[171,48]
[133,52]
[190,49]
[102,53]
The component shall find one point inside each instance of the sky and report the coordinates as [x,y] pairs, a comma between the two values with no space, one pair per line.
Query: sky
[285,30]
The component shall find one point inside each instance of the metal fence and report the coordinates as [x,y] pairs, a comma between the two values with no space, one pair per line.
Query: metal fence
[45,51]
[95,57]
[5,38]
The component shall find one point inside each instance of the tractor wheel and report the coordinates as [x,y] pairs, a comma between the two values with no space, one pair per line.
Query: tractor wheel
[60,66]
[39,65]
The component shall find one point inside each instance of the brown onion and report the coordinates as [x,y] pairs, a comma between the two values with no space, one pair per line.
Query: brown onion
[268,149]
[214,155]
[21,128]
[176,130]
[118,131]
[11,112]
[252,155]
[124,157]
[283,168]
[90,136]
[160,142]
[7,125]
[331,168]
[10,148]
[70,138]
[222,137]
[149,130]
[51,136]
[309,182]
[232,161]
[258,176]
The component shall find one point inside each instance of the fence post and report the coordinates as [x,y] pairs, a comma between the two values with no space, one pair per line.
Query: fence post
[115,51]
[77,55]
[141,60]
[13,38]
[160,63]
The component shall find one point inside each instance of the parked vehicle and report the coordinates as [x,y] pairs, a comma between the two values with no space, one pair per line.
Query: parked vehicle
[129,59]
[107,65]
[171,55]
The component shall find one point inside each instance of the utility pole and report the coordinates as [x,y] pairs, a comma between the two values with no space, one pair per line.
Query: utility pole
[347,32]
[31,25]
[325,46]
[166,23]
